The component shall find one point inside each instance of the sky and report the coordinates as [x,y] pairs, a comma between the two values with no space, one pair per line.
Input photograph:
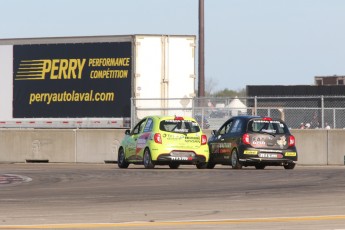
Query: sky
[247,42]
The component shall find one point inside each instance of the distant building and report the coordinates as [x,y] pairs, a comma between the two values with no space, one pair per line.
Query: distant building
[320,104]
[329,80]
[324,86]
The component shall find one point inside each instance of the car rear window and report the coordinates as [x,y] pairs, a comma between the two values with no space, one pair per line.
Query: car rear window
[267,126]
[179,126]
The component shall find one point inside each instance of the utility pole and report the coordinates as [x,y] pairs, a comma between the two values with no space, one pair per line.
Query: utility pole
[201,65]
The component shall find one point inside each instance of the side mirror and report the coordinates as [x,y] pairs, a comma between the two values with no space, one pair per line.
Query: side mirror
[214,132]
[127,132]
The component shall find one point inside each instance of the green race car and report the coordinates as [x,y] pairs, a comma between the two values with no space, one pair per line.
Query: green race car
[164,140]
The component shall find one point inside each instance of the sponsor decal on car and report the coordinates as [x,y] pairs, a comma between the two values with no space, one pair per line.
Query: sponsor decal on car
[258,142]
[224,150]
[262,143]
[173,136]
[270,155]
[221,148]
[182,154]
[266,121]
[290,154]
[250,152]
[271,151]
[282,142]
[141,142]
[193,139]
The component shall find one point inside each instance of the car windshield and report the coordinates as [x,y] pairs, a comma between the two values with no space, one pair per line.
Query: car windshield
[179,126]
[267,126]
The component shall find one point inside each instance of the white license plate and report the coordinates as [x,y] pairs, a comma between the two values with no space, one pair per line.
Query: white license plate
[268,155]
[181,158]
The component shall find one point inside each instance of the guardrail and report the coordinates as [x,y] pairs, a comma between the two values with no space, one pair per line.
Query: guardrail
[67,123]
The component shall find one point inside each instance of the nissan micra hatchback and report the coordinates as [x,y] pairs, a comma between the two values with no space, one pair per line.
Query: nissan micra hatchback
[252,141]
[164,140]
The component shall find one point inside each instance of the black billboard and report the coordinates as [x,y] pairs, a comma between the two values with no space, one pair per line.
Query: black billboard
[72,80]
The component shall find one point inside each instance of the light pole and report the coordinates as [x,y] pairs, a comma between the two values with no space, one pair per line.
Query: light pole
[201,65]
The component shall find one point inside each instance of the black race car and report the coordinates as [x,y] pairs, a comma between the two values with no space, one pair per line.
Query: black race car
[252,141]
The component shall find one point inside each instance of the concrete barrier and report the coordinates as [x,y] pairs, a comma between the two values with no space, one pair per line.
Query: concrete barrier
[336,147]
[98,145]
[315,147]
[312,146]
[37,145]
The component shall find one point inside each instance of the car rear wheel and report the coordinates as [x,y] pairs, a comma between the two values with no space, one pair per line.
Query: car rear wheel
[210,165]
[290,166]
[234,160]
[201,165]
[121,159]
[147,159]
[174,165]
[260,166]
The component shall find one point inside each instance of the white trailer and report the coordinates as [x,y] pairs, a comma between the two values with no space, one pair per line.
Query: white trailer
[165,73]
[54,82]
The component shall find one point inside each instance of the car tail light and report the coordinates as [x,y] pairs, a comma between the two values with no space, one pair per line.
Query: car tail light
[158,138]
[203,139]
[291,141]
[245,139]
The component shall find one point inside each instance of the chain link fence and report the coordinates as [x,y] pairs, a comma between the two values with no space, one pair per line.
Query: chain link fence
[298,112]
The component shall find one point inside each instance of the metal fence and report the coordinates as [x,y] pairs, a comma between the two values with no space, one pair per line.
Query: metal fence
[298,112]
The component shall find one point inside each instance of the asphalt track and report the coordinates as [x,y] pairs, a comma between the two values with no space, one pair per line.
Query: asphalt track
[101,196]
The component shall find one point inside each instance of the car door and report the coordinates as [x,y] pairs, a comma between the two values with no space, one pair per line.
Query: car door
[234,137]
[143,138]
[219,147]
[132,140]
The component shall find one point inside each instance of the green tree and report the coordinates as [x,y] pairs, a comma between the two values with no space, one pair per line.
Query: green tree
[230,93]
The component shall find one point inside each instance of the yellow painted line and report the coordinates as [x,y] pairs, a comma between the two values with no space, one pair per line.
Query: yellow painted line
[175,223]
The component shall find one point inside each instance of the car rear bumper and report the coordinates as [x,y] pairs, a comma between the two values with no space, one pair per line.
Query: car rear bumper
[168,158]
[274,155]
[265,161]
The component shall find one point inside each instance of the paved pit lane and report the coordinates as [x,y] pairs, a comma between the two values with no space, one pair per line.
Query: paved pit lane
[101,196]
